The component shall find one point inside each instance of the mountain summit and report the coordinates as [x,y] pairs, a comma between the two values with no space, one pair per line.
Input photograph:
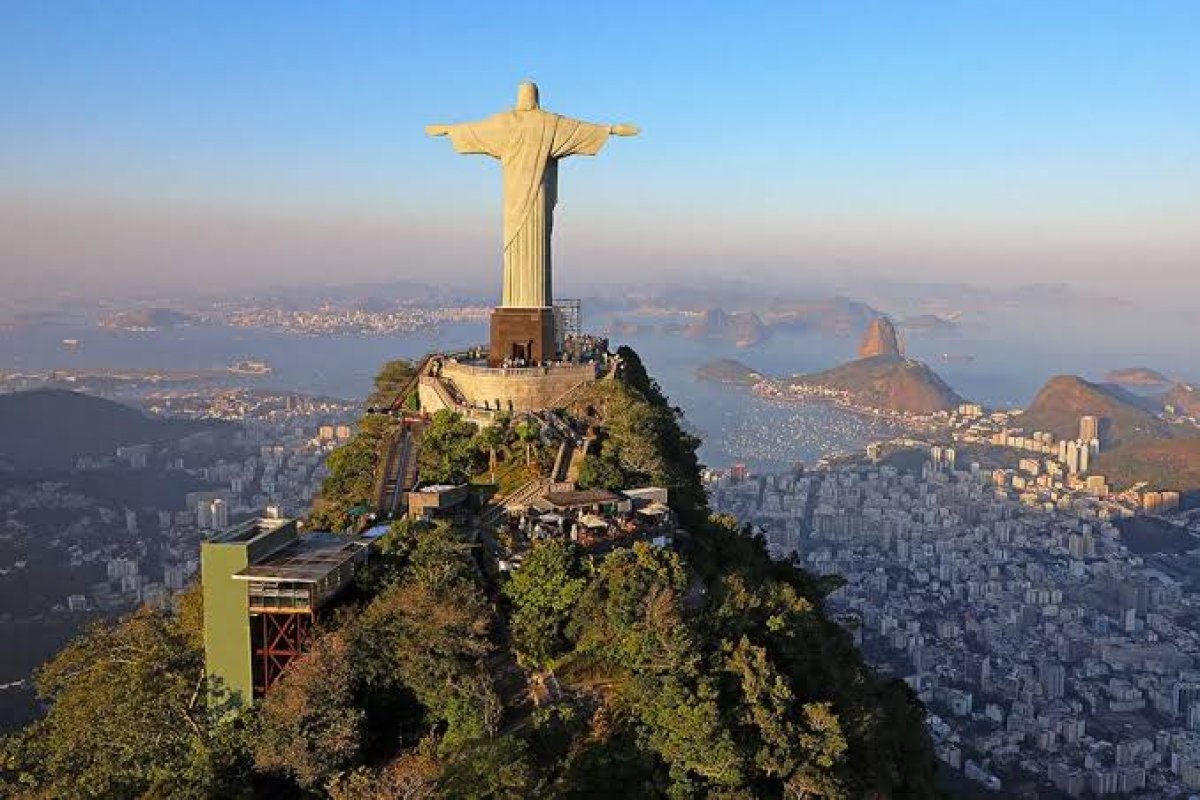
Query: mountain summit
[880,340]
[1124,416]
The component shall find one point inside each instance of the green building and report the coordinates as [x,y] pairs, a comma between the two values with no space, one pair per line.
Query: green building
[264,585]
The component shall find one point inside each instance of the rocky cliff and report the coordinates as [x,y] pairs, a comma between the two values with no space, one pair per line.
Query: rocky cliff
[880,339]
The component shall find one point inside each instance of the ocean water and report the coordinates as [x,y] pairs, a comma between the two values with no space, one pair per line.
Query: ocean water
[337,366]
[1012,352]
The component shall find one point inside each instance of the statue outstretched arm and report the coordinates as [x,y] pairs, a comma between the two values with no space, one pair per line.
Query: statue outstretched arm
[573,137]
[487,137]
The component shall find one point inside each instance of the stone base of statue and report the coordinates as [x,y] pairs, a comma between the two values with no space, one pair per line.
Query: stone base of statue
[522,337]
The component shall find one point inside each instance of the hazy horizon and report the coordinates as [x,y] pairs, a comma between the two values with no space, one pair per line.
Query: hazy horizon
[217,146]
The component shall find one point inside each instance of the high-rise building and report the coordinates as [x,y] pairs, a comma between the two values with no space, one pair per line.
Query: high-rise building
[1089,428]
[220,514]
[204,515]
[1052,676]
[1071,457]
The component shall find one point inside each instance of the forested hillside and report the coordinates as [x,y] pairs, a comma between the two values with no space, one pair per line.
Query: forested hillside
[703,671]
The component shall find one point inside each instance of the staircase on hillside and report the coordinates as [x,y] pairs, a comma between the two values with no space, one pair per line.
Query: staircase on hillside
[562,461]
[447,395]
[422,369]
[578,453]
[526,492]
[566,398]
[399,474]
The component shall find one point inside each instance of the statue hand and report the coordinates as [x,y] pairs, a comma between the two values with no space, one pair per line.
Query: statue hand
[625,129]
[437,130]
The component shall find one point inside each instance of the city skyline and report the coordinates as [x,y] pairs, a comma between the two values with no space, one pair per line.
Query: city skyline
[215,145]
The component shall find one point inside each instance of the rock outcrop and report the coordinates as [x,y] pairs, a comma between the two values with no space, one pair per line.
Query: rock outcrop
[881,339]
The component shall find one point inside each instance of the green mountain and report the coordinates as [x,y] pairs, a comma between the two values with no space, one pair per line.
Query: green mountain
[703,670]
[52,428]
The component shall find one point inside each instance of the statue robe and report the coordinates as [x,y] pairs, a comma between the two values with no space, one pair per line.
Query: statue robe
[528,145]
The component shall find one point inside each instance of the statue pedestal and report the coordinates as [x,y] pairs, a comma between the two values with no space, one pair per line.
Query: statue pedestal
[522,335]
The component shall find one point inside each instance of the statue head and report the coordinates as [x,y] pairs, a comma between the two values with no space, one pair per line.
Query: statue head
[527,96]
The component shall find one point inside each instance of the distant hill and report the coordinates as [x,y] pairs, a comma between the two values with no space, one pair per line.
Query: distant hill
[52,428]
[1184,398]
[880,339]
[928,323]
[835,315]
[742,328]
[1137,445]
[1163,464]
[1124,417]
[727,370]
[1136,376]
[888,382]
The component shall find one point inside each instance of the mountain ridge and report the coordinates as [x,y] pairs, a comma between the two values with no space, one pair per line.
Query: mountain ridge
[1125,417]
[53,428]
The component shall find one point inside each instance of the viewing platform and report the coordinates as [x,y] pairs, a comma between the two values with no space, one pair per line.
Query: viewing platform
[480,392]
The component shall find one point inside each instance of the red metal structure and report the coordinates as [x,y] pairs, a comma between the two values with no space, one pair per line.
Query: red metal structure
[277,638]
[286,590]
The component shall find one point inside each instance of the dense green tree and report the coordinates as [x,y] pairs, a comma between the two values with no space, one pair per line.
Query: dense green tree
[127,717]
[450,451]
[428,633]
[412,775]
[543,593]
[602,471]
[491,439]
[391,379]
[490,769]
[309,728]
[528,433]
[644,440]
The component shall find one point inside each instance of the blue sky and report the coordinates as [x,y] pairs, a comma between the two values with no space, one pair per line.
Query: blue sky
[252,142]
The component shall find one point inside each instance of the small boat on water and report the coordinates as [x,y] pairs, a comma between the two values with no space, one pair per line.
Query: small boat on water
[956,358]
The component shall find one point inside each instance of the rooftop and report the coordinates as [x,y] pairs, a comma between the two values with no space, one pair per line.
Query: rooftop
[580,497]
[308,559]
[248,531]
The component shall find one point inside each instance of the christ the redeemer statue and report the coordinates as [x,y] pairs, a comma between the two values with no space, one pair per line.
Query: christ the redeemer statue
[529,142]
